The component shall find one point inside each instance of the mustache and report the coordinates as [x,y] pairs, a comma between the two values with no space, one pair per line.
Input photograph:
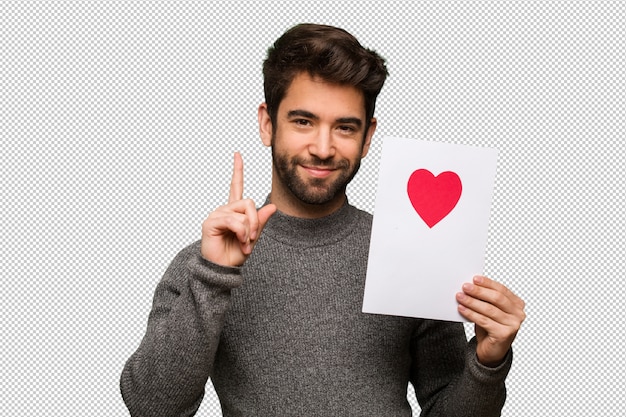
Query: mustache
[329,163]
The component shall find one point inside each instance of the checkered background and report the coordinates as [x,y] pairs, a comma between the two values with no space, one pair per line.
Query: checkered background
[119,120]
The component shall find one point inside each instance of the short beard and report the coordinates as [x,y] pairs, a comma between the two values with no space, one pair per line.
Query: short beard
[315,191]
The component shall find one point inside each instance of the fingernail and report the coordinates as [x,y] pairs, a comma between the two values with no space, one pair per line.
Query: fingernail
[468,287]
[478,279]
[460,296]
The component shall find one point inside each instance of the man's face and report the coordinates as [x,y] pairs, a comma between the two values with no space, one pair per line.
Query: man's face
[318,141]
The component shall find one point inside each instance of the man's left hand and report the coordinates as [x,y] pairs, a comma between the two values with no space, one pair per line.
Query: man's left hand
[497,314]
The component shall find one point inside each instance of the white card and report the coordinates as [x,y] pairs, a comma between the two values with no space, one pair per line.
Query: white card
[430,227]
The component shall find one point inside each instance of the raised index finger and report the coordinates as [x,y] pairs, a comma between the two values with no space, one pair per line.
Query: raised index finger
[236,183]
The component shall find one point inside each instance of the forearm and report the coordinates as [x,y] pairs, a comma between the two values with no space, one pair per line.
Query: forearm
[448,379]
[167,374]
[480,391]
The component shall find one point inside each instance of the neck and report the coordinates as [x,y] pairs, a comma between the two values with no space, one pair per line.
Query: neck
[299,232]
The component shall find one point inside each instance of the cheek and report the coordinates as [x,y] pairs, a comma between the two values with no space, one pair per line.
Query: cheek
[286,143]
[352,151]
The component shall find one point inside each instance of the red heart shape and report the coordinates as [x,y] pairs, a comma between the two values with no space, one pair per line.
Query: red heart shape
[433,198]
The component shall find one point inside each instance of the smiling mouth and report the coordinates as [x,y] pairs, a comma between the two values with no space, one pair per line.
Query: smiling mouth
[317,171]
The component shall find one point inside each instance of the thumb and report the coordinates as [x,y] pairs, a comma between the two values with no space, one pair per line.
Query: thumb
[264,215]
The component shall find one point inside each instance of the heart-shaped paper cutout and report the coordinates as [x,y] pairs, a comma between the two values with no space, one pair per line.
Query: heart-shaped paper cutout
[433,198]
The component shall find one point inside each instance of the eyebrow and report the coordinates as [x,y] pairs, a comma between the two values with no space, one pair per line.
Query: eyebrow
[307,114]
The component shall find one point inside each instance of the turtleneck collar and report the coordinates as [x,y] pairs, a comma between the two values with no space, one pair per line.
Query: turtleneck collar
[300,232]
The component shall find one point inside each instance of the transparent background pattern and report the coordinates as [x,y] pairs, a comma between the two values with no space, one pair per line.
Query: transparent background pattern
[119,120]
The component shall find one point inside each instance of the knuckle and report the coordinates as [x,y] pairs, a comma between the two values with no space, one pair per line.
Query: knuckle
[500,298]
[249,203]
[235,220]
[207,223]
[523,317]
[482,321]
[491,310]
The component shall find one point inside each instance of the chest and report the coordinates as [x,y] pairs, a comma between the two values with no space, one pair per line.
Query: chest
[305,310]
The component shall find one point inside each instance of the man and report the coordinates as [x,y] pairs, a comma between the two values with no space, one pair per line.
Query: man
[268,303]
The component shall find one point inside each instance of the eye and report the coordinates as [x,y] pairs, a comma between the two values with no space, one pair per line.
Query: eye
[347,129]
[302,122]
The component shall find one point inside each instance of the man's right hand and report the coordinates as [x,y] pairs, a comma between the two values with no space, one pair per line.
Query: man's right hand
[231,231]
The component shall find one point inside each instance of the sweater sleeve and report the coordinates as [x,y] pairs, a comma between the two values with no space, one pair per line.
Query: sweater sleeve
[167,374]
[447,377]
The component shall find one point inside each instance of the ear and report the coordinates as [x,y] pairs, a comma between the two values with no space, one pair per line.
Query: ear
[368,137]
[265,125]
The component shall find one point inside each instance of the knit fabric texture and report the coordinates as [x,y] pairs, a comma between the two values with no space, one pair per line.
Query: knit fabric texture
[284,335]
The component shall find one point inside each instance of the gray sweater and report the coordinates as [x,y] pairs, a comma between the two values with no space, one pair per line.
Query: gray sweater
[284,335]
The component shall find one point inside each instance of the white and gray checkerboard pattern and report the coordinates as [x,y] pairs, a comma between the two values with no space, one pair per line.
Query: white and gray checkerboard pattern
[119,120]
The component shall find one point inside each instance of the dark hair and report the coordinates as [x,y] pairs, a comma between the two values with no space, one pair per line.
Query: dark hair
[327,52]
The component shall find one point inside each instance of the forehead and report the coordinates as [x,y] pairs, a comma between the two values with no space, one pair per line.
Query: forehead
[322,98]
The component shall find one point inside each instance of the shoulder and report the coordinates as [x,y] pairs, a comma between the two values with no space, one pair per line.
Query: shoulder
[179,266]
[359,230]
[190,251]
[362,219]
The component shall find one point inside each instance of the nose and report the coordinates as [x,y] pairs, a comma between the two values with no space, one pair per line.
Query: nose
[322,145]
